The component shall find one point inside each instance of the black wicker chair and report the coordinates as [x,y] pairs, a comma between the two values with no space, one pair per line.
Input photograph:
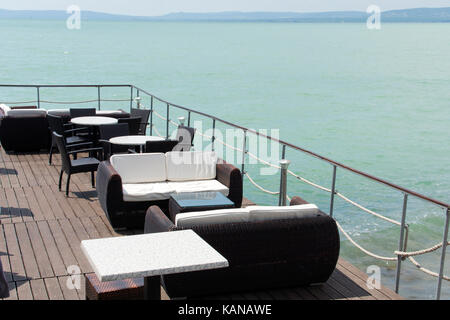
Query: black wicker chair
[134,124]
[82,112]
[144,114]
[185,138]
[111,131]
[160,146]
[82,165]
[56,124]
[278,253]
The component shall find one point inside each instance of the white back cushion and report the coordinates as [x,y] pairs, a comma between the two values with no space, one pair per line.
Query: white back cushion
[188,166]
[260,213]
[191,219]
[106,112]
[27,113]
[249,214]
[140,168]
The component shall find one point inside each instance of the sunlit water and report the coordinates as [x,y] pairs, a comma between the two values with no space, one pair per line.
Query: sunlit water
[375,100]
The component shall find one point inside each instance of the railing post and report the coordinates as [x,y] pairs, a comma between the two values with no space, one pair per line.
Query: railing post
[333,191]
[99,98]
[38,97]
[401,243]
[444,249]
[151,116]
[283,183]
[167,122]
[244,152]
[213,138]
[131,99]
[189,119]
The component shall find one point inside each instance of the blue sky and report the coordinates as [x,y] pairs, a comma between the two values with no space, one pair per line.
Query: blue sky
[158,7]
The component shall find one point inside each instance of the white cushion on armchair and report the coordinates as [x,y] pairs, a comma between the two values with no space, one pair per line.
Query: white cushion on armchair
[188,166]
[140,168]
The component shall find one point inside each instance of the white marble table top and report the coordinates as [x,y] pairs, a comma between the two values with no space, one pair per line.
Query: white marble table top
[134,140]
[94,121]
[151,255]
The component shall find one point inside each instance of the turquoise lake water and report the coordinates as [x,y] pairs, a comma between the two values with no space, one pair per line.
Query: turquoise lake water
[378,101]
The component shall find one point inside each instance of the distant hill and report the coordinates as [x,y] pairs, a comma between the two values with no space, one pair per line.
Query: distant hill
[407,15]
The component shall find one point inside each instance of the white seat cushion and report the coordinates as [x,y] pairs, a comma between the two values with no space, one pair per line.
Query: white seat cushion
[188,166]
[191,219]
[249,214]
[261,213]
[27,113]
[142,192]
[199,186]
[140,168]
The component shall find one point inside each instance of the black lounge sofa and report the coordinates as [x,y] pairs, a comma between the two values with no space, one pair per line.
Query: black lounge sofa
[280,253]
[131,214]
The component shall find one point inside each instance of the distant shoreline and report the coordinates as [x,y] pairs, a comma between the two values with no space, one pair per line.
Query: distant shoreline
[418,15]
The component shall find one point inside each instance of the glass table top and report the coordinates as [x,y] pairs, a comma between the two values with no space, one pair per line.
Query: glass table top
[202,199]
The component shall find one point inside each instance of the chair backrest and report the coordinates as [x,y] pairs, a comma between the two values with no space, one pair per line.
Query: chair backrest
[160,146]
[134,124]
[83,112]
[185,137]
[65,158]
[145,115]
[56,124]
[114,130]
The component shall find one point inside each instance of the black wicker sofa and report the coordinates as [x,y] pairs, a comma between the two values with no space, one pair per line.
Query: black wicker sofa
[115,186]
[264,250]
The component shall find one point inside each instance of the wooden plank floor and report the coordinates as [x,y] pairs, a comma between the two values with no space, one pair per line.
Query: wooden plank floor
[41,230]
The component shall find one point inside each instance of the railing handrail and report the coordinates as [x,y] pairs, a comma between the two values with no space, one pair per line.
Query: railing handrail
[248,130]
[311,153]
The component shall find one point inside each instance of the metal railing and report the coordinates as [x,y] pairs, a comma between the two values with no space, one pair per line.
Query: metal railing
[404,228]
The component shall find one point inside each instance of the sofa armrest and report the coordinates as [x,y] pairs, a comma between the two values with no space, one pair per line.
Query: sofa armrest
[109,189]
[156,221]
[231,177]
[298,201]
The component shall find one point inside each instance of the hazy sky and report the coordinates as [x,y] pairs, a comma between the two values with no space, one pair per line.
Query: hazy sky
[158,7]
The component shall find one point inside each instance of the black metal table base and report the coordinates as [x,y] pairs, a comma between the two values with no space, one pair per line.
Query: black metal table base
[152,288]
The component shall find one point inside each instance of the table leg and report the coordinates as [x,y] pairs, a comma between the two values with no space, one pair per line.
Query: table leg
[152,288]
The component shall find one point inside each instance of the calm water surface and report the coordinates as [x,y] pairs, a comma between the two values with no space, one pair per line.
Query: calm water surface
[378,101]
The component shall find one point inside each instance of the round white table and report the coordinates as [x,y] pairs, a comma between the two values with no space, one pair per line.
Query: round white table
[134,140]
[94,121]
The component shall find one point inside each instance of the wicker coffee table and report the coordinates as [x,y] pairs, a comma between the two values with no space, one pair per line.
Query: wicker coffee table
[198,201]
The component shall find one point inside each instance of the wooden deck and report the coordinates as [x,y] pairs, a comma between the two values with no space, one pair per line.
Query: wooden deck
[41,231]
